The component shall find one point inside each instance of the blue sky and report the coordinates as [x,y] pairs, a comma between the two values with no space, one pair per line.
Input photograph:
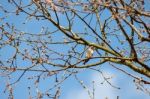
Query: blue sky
[70,88]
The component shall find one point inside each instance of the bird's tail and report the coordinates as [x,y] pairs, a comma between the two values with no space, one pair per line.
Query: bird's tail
[85,61]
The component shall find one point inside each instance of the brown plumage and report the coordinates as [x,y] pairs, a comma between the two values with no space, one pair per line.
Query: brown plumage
[89,54]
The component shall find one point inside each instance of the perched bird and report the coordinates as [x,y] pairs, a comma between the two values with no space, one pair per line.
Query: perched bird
[89,54]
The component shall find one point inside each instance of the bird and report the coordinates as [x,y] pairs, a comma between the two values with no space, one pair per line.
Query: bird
[89,54]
